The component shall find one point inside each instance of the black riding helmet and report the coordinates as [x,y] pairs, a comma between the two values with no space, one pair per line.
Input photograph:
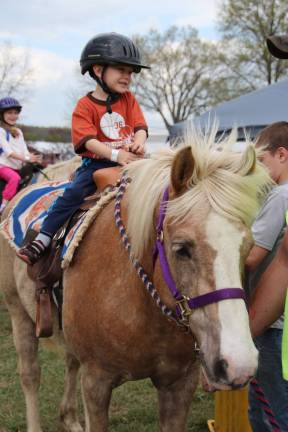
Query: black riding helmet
[109,49]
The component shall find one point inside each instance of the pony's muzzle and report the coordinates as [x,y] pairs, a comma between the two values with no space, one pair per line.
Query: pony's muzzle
[220,370]
[227,375]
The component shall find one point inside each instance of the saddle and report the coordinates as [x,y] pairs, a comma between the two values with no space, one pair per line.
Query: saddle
[47,272]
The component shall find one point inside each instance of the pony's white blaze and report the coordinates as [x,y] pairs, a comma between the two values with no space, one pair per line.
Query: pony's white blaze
[236,345]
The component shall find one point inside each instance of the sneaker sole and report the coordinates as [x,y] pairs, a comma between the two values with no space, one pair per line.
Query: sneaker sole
[24,258]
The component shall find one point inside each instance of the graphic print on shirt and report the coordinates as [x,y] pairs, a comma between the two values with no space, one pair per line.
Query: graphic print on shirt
[113,126]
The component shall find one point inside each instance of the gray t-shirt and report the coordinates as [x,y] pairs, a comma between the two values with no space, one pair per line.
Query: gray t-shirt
[268,230]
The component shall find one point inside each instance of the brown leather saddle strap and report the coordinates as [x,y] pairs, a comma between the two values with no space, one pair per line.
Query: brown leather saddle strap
[44,322]
[106,177]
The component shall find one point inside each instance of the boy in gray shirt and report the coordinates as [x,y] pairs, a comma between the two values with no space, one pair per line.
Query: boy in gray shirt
[268,230]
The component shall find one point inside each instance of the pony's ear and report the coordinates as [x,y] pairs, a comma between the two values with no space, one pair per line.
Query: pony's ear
[248,161]
[182,170]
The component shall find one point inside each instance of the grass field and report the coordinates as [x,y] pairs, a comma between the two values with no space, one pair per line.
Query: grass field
[133,407]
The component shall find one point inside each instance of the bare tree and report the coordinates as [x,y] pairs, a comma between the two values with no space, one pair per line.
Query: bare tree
[15,71]
[182,69]
[245,24]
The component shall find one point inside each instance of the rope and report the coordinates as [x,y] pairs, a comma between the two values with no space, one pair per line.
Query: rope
[150,288]
[43,173]
[265,405]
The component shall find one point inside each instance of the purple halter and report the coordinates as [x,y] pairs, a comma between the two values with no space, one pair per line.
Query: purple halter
[185,305]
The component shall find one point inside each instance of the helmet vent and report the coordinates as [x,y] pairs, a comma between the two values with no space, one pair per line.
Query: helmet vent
[125,51]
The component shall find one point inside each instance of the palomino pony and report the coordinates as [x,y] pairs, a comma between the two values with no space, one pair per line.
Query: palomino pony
[120,324]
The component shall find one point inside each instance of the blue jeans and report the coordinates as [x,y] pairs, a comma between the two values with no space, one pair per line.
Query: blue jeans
[269,377]
[82,186]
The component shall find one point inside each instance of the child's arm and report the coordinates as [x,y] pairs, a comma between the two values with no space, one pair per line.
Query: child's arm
[100,149]
[256,255]
[138,145]
[267,228]
[269,297]
[31,157]
[139,126]
[23,155]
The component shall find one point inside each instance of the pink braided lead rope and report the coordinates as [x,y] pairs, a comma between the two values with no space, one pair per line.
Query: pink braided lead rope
[265,406]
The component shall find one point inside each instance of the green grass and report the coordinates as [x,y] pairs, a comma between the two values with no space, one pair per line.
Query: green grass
[133,407]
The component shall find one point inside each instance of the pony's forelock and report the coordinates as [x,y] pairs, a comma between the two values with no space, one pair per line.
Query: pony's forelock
[219,183]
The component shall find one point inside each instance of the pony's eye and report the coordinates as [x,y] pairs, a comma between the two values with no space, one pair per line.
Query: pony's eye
[183,250]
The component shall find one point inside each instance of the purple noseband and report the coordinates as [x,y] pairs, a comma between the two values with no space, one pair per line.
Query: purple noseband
[185,305]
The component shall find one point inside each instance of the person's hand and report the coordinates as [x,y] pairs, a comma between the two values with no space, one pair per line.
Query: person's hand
[137,148]
[34,158]
[124,157]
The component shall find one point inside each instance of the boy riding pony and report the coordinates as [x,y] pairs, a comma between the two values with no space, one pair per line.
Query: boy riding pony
[108,129]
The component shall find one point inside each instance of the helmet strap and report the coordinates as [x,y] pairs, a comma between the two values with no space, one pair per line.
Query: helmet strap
[111,96]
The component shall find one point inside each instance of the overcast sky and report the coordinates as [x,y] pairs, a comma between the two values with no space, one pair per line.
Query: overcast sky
[55,32]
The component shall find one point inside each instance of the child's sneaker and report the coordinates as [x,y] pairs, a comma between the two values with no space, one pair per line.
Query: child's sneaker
[32,252]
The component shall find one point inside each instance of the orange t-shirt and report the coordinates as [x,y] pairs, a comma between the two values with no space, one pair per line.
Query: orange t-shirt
[90,119]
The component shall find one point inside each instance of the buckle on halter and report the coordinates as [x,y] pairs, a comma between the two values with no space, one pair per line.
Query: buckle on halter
[160,236]
[182,308]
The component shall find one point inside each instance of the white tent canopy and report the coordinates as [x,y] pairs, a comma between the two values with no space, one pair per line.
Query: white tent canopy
[252,111]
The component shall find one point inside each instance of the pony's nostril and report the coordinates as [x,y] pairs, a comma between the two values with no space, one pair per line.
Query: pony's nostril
[220,369]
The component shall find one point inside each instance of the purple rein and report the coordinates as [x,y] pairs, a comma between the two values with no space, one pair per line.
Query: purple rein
[185,305]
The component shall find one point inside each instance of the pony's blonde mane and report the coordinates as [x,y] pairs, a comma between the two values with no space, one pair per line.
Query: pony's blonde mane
[232,184]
